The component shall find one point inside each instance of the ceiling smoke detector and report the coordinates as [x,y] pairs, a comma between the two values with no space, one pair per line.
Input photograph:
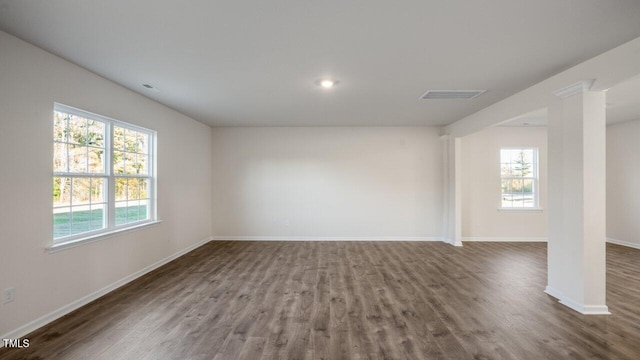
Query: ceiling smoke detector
[451,94]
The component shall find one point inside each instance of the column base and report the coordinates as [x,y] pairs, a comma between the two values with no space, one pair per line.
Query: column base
[573,305]
[452,242]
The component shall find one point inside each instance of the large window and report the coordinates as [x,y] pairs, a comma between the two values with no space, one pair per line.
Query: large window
[519,177]
[102,175]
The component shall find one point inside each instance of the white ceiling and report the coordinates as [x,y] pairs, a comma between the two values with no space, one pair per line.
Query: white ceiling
[534,118]
[623,101]
[623,104]
[252,63]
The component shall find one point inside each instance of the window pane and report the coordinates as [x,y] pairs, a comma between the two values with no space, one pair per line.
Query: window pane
[144,188]
[132,190]
[81,191]
[96,161]
[143,143]
[131,211]
[508,190]
[121,189]
[118,138]
[61,222]
[527,193]
[60,157]
[130,140]
[142,164]
[77,159]
[506,187]
[118,162]
[95,135]
[80,219]
[522,165]
[121,212]
[133,208]
[59,126]
[97,217]
[97,190]
[515,193]
[77,130]
[514,154]
[129,163]
[61,191]
[143,212]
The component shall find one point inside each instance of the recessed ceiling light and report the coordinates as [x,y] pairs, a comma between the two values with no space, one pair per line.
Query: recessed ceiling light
[327,83]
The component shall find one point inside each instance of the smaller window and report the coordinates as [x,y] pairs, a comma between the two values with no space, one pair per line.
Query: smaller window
[519,178]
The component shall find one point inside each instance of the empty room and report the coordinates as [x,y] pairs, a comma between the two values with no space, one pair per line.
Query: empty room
[319,179]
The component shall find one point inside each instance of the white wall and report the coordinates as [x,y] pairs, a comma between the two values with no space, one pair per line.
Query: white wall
[623,183]
[481,219]
[327,182]
[30,81]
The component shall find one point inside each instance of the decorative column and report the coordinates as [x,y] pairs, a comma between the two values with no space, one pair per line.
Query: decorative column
[577,198]
[452,217]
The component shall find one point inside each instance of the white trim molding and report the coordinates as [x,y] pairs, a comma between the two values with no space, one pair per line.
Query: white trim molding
[44,320]
[453,242]
[504,239]
[596,310]
[623,243]
[586,309]
[325,238]
[574,305]
[553,292]
[93,238]
[516,210]
[574,89]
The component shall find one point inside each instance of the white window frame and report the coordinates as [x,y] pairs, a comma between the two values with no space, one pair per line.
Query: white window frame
[110,227]
[535,178]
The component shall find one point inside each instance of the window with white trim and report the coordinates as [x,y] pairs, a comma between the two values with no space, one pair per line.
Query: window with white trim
[519,178]
[103,176]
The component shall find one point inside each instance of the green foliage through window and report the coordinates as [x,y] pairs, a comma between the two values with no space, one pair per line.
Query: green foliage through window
[82,179]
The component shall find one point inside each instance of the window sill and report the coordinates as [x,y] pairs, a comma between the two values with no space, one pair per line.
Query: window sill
[98,237]
[521,209]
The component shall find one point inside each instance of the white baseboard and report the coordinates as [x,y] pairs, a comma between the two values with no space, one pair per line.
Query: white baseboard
[326,238]
[623,243]
[553,292]
[583,309]
[505,239]
[586,309]
[596,310]
[452,242]
[44,320]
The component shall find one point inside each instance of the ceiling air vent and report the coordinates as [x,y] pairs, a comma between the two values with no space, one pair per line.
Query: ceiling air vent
[451,94]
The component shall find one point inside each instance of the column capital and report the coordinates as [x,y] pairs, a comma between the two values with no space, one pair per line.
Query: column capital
[574,89]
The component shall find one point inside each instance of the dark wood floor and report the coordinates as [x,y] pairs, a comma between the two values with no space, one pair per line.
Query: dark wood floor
[333,300]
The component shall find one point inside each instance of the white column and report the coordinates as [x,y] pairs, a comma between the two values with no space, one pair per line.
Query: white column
[577,199]
[452,219]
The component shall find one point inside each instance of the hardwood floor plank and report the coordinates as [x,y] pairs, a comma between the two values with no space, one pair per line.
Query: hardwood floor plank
[348,300]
